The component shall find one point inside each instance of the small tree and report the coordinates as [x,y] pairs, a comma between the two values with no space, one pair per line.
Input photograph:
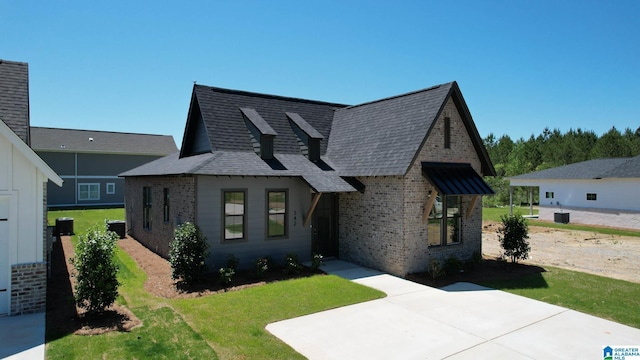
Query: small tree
[513,235]
[187,252]
[96,278]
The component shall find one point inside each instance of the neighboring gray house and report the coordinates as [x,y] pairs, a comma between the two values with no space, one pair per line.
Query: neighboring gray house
[389,184]
[89,162]
[597,192]
[23,200]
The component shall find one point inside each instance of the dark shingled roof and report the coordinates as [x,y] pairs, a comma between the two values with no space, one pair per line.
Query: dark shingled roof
[72,140]
[227,131]
[590,169]
[382,137]
[378,138]
[14,97]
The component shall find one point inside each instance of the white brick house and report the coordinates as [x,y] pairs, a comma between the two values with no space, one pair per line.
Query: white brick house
[390,184]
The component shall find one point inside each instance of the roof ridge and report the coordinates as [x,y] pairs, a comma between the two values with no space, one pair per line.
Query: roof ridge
[399,96]
[269,96]
[99,131]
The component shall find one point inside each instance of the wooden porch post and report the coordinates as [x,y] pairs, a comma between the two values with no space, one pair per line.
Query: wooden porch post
[314,203]
[428,206]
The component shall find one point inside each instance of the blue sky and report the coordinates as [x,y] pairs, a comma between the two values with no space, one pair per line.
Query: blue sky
[522,65]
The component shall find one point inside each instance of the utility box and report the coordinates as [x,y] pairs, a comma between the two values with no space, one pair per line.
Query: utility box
[118,227]
[561,217]
[64,226]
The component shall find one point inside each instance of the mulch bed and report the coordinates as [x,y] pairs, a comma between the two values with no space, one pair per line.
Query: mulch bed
[488,270]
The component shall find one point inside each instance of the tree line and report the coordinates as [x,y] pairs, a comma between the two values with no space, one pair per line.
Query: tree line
[549,149]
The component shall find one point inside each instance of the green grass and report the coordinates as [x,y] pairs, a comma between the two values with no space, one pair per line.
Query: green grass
[494,214]
[603,297]
[231,324]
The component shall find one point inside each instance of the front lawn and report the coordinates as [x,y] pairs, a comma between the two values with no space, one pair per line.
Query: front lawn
[603,297]
[229,325]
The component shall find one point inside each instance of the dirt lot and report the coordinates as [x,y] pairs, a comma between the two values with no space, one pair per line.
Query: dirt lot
[606,255]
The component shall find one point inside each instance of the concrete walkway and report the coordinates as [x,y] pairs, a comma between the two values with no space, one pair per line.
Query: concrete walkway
[22,337]
[460,321]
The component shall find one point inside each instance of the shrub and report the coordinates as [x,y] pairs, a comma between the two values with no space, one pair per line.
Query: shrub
[452,265]
[232,262]
[226,275]
[95,264]
[187,252]
[513,235]
[291,264]
[435,269]
[316,261]
[262,265]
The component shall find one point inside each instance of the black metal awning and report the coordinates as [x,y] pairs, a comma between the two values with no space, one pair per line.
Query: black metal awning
[455,179]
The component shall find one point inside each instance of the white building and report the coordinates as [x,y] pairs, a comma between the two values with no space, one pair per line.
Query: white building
[597,192]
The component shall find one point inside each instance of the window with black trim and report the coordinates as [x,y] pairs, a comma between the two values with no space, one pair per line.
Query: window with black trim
[276,213]
[447,133]
[146,208]
[165,205]
[548,194]
[592,196]
[445,221]
[234,202]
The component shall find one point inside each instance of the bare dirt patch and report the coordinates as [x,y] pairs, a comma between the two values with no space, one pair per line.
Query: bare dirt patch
[605,255]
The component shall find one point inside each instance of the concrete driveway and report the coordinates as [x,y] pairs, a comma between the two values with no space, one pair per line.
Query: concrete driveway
[22,337]
[461,321]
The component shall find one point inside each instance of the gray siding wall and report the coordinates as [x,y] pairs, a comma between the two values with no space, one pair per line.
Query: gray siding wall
[90,168]
[210,213]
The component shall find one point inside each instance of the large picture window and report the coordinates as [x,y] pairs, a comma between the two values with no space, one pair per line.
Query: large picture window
[445,222]
[234,214]
[277,213]
[146,208]
[88,191]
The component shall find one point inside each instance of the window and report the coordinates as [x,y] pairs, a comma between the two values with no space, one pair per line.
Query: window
[277,213]
[88,191]
[548,195]
[447,133]
[592,196]
[111,188]
[234,212]
[445,221]
[146,208]
[165,205]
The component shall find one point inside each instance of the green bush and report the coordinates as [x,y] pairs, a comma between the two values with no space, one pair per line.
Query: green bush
[232,262]
[262,265]
[291,264]
[316,261]
[187,253]
[96,268]
[513,235]
[452,265]
[226,275]
[435,269]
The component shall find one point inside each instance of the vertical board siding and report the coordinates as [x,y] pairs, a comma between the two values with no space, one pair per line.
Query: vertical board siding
[256,243]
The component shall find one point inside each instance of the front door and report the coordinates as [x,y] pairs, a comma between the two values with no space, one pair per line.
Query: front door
[4,255]
[325,226]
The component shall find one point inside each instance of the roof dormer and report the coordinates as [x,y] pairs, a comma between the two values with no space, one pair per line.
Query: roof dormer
[261,133]
[308,137]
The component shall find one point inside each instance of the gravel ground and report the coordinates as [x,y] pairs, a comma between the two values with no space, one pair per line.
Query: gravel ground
[605,255]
